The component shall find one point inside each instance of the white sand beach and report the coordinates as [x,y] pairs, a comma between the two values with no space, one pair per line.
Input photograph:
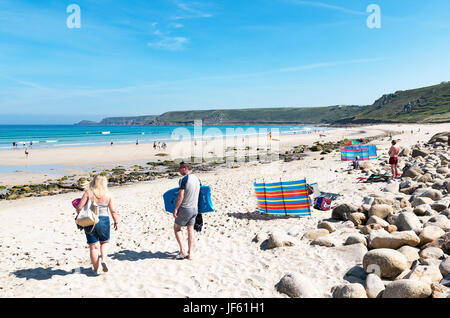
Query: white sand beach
[78,160]
[44,255]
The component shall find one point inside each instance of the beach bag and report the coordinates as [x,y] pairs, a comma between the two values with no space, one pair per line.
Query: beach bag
[322,203]
[198,223]
[88,216]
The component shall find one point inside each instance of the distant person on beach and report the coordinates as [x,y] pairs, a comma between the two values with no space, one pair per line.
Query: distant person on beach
[31,145]
[98,192]
[159,145]
[355,163]
[112,143]
[186,208]
[14,145]
[137,142]
[393,158]
[26,152]
[154,145]
[164,146]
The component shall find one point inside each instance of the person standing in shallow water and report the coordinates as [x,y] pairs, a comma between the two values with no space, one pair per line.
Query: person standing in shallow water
[186,208]
[393,158]
[100,232]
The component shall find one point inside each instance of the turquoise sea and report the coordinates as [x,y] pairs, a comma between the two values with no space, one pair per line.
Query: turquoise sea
[50,136]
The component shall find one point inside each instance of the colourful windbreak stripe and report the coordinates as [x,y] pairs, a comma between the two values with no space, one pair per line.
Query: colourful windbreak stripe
[286,198]
[373,152]
[350,153]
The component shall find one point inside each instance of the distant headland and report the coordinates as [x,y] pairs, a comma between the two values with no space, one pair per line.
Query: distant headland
[422,105]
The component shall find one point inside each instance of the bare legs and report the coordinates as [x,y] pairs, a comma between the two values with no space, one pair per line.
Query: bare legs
[190,230]
[394,171]
[103,249]
[179,237]
[93,251]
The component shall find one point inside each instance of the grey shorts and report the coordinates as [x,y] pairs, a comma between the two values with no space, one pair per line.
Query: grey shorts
[186,216]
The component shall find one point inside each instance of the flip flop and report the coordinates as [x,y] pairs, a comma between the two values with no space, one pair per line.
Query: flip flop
[104,267]
[180,257]
[94,273]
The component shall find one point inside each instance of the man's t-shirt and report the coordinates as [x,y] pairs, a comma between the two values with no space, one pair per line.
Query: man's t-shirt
[191,185]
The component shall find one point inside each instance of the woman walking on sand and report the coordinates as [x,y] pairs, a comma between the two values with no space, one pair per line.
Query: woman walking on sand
[98,192]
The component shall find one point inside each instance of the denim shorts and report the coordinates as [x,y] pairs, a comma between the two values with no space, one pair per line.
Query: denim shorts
[101,231]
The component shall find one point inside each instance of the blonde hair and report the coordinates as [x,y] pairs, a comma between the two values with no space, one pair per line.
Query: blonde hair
[99,186]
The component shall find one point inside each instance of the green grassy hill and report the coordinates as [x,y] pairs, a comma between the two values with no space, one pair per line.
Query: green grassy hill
[305,115]
[423,105]
[139,120]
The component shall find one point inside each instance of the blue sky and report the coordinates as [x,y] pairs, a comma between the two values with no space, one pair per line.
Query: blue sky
[148,57]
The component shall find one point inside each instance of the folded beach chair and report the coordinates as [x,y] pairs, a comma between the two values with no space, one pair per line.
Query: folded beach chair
[320,194]
[315,189]
[329,195]
[283,198]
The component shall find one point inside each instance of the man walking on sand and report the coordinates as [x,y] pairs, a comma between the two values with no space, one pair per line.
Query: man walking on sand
[393,158]
[186,208]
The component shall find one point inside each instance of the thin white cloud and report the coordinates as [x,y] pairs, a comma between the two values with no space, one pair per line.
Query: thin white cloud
[188,12]
[24,83]
[176,25]
[170,43]
[290,69]
[326,64]
[34,93]
[326,6]
[166,42]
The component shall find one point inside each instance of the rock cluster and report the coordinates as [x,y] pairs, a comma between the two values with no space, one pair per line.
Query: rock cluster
[116,176]
[405,231]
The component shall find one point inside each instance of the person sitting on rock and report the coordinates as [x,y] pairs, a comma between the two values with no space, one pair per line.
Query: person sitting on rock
[355,163]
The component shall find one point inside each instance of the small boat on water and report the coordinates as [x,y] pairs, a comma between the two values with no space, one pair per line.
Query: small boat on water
[106,132]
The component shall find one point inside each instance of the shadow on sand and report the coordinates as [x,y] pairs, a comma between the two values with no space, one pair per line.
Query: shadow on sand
[262,217]
[41,273]
[128,255]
